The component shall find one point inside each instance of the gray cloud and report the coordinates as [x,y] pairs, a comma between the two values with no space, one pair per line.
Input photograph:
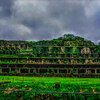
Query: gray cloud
[37,20]
[5,8]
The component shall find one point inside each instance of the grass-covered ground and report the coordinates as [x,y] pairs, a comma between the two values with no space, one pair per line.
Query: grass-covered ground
[51,79]
[84,85]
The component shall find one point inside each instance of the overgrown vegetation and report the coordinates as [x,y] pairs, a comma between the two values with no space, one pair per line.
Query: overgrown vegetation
[83,85]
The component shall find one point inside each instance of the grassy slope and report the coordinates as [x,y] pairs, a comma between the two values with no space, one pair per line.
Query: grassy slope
[90,85]
[51,79]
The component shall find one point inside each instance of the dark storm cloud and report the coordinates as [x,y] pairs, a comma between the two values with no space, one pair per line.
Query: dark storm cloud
[72,16]
[37,20]
[6,6]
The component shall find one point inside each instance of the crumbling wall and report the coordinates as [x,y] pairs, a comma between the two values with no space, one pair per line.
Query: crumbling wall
[86,50]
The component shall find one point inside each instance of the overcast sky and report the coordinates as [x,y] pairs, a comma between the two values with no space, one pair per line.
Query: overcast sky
[48,19]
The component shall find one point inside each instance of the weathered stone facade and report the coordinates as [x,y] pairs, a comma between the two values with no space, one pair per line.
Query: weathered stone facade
[30,58]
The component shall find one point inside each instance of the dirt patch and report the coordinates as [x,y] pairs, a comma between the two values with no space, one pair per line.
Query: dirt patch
[93,88]
[30,89]
[83,90]
[10,89]
[25,85]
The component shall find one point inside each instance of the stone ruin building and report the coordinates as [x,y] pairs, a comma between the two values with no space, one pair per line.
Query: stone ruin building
[67,56]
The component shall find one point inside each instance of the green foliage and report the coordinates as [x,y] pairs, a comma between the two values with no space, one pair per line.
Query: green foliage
[60,41]
[74,50]
[48,84]
[7,63]
[12,72]
[41,86]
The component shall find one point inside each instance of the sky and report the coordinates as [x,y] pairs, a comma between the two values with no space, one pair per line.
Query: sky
[33,20]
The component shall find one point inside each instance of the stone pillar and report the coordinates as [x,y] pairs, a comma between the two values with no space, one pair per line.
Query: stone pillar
[19,70]
[16,70]
[28,70]
[67,71]
[70,71]
[77,71]
[89,71]
[0,70]
[38,70]
[86,71]
[63,50]
[95,71]
[9,69]
[57,70]
[53,71]
[34,71]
